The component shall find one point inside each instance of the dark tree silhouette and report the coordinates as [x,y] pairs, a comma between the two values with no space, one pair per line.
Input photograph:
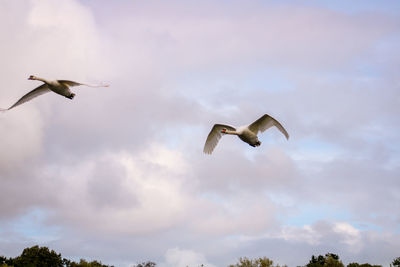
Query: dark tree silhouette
[329,260]
[396,262]
[37,256]
[42,257]
[84,263]
[355,264]
[145,264]
[260,262]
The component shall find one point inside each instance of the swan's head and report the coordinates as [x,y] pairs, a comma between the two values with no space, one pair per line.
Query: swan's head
[32,77]
[223,130]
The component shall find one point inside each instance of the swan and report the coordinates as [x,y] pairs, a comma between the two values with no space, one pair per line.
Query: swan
[60,87]
[247,133]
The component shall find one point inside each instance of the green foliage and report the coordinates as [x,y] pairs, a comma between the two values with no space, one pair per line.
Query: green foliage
[329,260]
[145,264]
[260,262]
[355,264]
[84,263]
[42,257]
[2,260]
[396,262]
[38,256]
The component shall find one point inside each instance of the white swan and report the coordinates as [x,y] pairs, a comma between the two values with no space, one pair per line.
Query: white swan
[60,87]
[247,133]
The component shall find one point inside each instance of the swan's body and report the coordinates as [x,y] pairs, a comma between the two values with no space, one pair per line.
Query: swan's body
[60,87]
[247,133]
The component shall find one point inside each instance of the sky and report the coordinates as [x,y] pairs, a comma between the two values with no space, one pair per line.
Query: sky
[118,173]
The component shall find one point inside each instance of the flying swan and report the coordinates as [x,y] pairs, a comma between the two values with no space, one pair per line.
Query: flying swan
[60,87]
[246,133]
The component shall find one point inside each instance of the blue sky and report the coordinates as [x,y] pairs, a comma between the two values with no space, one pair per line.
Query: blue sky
[118,174]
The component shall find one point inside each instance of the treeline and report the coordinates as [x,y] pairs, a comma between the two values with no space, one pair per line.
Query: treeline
[43,257]
[329,260]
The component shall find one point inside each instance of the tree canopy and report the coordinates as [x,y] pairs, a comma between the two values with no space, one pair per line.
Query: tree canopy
[145,264]
[355,264]
[329,260]
[396,262]
[43,257]
[259,262]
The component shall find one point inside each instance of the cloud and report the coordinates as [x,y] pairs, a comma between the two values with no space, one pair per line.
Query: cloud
[121,190]
[119,171]
[176,257]
[22,139]
[352,235]
[225,34]
[25,129]
[343,239]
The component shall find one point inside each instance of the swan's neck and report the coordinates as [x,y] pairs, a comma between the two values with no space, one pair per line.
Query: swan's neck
[231,132]
[42,80]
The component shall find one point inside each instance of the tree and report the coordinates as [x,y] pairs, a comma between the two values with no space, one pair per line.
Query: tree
[316,261]
[329,260]
[396,262]
[333,261]
[260,262]
[355,264]
[43,257]
[145,264]
[2,261]
[84,263]
[38,256]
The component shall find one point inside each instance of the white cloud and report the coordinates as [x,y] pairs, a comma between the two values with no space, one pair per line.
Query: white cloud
[120,171]
[177,257]
[21,139]
[303,234]
[131,194]
[351,235]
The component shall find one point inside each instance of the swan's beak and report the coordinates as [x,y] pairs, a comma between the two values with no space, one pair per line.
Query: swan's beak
[31,77]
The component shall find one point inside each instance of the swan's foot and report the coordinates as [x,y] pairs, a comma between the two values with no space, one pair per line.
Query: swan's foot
[258,143]
[71,96]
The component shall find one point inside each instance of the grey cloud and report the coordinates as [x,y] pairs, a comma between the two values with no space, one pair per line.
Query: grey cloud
[106,186]
[269,170]
[373,247]
[132,151]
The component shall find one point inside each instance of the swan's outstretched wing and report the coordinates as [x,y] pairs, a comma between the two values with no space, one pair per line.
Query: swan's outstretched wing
[214,136]
[72,83]
[265,122]
[32,94]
